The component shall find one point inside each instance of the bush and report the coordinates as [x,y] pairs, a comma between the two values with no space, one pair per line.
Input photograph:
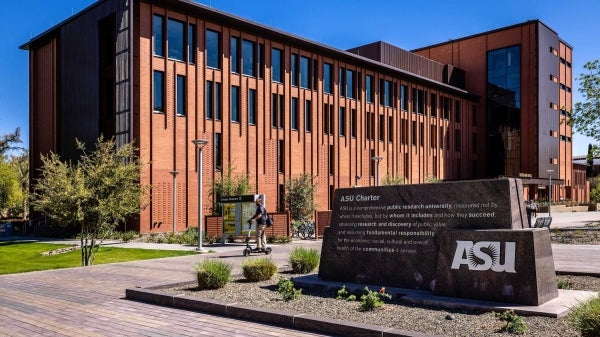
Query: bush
[258,269]
[373,299]
[304,260]
[278,239]
[287,290]
[514,323]
[586,317]
[213,274]
[563,283]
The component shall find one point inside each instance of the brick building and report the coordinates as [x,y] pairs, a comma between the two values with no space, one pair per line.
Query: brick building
[271,104]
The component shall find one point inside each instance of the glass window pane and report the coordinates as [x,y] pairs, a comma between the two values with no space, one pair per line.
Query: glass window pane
[213,49]
[192,44]
[248,62]
[304,72]
[276,65]
[217,100]
[209,100]
[235,103]
[327,83]
[235,60]
[175,39]
[350,83]
[157,31]
[180,95]
[159,92]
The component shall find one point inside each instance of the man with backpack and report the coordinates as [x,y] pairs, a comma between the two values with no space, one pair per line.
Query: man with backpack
[261,223]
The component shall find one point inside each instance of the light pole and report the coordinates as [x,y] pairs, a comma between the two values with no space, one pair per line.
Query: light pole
[174,173]
[549,191]
[377,159]
[200,143]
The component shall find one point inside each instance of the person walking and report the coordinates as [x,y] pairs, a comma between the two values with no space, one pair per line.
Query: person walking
[260,216]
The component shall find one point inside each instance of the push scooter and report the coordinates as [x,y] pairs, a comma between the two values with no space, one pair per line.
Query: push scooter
[248,250]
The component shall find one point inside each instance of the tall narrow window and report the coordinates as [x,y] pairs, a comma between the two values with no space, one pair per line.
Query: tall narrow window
[180,95]
[281,156]
[234,54]
[261,60]
[217,100]
[388,93]
[342,82]
[369,90]
[331,160]
[248,58]
[325,118]
[159,91]
[350,88]
[294,70]
[276,65]
[252,106]
[327,78]
[305,73]
[218,151]
[294,114]
[191,43]
[457,111]
[175,39]
[381,128]
[274,107]
[418,101]
[353,121]
[390,129]
[433,102]
[307,116]
[404,97]
[209,99]
[158,26]
[342,122]
[213,49]
[235,103]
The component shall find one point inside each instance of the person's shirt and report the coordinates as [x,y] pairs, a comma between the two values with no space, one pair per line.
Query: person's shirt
[260,210]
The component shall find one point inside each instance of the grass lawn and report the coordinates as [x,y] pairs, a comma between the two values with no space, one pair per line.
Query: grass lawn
[20,257]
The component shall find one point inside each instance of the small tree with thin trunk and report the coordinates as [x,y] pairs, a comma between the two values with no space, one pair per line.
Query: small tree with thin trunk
[300,196]
[228,184]
[97,193]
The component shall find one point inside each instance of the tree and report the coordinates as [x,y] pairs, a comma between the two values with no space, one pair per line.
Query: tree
[9,187]
[228,185]
[589,161]
[20,166]
[390,180]
[586,115]
[97,193]
[300,196]
[7,140]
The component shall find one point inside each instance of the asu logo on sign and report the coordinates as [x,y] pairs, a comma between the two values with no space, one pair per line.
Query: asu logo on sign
[484,255]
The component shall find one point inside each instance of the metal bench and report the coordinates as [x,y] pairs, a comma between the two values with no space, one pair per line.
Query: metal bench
[542,222]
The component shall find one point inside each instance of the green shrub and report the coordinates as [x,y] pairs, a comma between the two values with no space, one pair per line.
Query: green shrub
[586,317]
[278,239]
[343,293]
[514,323]
[304,260]
[286,289]
[258,269]
[130,235]
[370,300]
[563,283]
[213,274]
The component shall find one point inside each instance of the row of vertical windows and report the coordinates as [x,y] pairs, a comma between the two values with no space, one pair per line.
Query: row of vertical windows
[179,48]
[159,93]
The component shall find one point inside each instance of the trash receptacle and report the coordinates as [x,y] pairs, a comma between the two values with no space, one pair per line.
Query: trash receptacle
[8,229]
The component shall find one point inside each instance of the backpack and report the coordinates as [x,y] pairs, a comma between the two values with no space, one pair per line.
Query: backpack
[269,220]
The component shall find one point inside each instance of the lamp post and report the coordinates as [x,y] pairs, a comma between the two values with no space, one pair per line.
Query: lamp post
[377,159]
[174,173]
[549,191]
[199,143]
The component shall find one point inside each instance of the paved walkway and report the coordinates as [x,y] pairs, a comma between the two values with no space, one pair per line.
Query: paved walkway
[89,301]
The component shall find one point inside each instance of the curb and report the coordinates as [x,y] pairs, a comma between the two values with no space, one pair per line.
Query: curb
[304,322]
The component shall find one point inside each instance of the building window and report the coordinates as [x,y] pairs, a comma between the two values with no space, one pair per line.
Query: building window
[446,108]
[342,82]
[252,106]
[192,43]
[433,136]
[209,99]
[342,121]
[381,128]
[353,121]
[235,103]
[234,55]
[180,95]
[350,87]
[403,97]
[158,26]
[457,111]
[307,116]
[371,163]
[281,156]
[261,60]
[276,65]
[305,73]
[369,90]
[159,91]
[213,49]
[433,103]
[418,101]
[414,132]
[294,114]
[327,78]
[294,70]
[404,131]
[421,134]
[175,39]
[326,118]
[217,100]
[248,58]
[331,160]
[277,106]
[218,152]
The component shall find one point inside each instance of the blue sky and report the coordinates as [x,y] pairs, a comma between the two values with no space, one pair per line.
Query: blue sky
[338,23]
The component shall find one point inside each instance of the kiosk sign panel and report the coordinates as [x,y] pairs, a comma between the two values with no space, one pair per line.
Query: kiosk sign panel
[236,211]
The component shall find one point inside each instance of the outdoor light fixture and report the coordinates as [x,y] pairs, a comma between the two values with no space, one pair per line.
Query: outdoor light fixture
[200,143]
[377,160]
